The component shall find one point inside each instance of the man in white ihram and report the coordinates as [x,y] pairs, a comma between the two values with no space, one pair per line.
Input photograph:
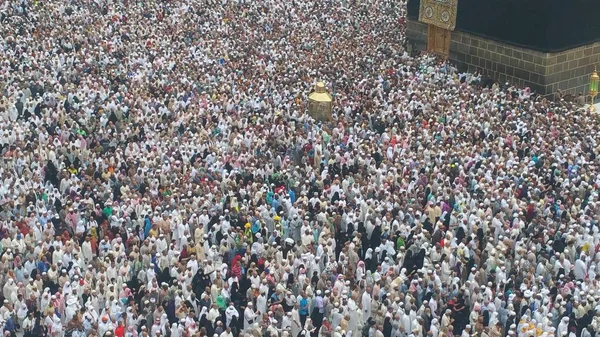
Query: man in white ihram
[249,316]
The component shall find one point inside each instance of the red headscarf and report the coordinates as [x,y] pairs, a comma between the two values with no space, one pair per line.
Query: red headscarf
[236,269]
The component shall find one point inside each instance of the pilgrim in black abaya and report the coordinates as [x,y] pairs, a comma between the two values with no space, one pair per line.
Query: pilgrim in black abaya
[205,323]
[51,174]
[237,324]
[170,310]
[408,263]
[236,296]
[461,315]
[419,259]
[460,234]
[376,237]
[387,327]
[371,262]
[317,318]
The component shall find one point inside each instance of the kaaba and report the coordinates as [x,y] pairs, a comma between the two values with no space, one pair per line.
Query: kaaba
[546,45]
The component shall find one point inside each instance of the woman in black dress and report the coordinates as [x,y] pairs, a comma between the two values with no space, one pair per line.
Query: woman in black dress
[387,327]
[461,315]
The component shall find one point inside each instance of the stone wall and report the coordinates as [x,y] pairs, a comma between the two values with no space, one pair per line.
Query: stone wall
[543,72]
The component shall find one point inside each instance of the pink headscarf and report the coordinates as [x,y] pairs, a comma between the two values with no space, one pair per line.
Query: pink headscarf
[126,293]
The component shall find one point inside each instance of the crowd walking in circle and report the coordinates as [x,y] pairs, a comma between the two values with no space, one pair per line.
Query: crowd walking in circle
[161,177]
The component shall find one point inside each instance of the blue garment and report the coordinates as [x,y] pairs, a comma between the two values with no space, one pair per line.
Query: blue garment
[43,220]
[569,308]
[292,195]
[19,274]
[303,309]
[319,303]
[105,247]
[420,294]
[10,325]
[572,170]
[43,267]
[275,203]
[274,297]
[286,228]
[255,227]
[147,227]
[316,234]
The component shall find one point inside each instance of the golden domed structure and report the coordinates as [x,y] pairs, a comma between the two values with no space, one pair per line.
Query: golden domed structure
[320,103]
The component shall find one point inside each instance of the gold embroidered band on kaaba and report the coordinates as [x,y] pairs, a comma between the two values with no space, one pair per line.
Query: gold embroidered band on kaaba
[440,13]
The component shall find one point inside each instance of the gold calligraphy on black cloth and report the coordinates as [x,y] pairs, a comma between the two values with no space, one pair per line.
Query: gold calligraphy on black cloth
[440,13]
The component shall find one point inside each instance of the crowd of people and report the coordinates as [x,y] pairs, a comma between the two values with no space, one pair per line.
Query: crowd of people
[161,177]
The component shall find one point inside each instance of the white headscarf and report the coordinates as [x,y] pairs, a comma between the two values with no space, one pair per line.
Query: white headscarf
[369,253]
[175,330]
